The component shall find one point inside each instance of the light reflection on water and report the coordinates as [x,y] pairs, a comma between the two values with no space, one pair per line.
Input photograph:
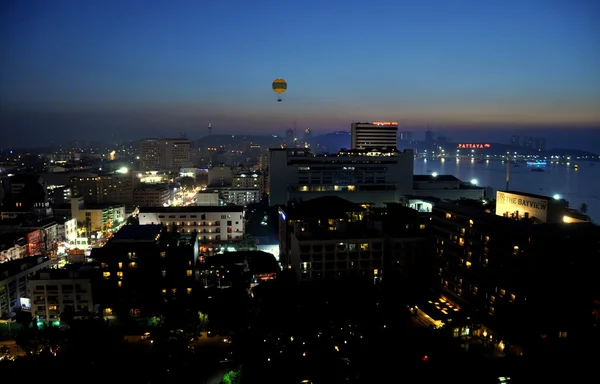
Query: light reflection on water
[581,186]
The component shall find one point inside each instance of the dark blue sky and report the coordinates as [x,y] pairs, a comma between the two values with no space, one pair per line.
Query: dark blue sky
[87,67]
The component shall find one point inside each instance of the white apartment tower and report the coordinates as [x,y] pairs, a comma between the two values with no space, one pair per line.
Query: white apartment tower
[375,135]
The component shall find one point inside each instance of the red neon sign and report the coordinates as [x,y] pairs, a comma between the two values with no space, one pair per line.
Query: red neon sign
[473,146]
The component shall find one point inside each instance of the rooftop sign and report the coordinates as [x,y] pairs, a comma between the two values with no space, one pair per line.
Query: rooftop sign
[473,145]
[385,123]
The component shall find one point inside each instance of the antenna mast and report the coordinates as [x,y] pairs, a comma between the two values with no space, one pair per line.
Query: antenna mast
[507,168]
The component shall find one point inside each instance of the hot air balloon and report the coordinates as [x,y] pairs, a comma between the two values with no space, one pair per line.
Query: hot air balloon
[279,87]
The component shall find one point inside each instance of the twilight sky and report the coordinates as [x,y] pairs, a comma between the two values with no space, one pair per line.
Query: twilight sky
[83,68]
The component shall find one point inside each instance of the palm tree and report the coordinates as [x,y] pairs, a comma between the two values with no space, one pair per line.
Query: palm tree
[583,208]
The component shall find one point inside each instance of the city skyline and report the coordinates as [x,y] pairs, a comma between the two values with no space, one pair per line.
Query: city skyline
[82,70]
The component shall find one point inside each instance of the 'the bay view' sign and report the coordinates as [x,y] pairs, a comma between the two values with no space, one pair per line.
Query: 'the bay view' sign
[510,203]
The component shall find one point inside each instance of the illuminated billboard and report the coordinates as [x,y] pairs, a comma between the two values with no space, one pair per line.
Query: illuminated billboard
[25,304]
[473,145]
[385,123]
[512,204]
[34,243]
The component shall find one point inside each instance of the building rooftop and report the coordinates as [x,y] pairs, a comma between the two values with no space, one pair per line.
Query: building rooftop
[130,233]
[533,195]
[438,178]
[101,206]
[258,261]
[325,206]
[14,267]
[199,209]
[64,274]
[8,240]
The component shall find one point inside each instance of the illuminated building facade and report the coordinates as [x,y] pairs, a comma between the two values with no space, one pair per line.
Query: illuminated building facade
[56,291]
[97,220]
[164,154]
[214,225]
[249,180]
[110,187]
[152,195]
[329,237]
[375,135]
[519,281]
[364,177]
[14,281]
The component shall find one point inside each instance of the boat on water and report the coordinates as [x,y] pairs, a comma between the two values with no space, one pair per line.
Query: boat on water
[537,169]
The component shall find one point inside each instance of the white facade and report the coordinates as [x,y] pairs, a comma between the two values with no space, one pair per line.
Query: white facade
[214,224]
[363,177]
[244,196]
[375,135]
[51,296]
[68,230]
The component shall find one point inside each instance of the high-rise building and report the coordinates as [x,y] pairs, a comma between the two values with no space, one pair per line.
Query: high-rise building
[406,136]
[540,144]
[375,135]
[364,177]
[528,142]
[515,141]
[164,153]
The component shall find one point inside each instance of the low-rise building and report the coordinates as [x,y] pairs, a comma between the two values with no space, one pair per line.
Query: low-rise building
[446,187]
[57,291]
[14,280]
[67,230]
[97,219]
[244,197]
[213,224]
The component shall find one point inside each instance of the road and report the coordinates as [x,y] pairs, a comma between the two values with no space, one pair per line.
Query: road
[12,346]
[215,378]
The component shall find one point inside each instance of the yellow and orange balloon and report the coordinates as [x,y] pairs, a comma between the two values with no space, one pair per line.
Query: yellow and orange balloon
[279,87]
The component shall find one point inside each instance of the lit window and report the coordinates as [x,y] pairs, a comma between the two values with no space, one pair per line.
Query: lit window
[119,283]
[364,247]
[132,265]
[108,311]
[120,274]
[164,273]
[448,216]
[120,265]
[189,291]
[189,272]
[52,307]
[106,275]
